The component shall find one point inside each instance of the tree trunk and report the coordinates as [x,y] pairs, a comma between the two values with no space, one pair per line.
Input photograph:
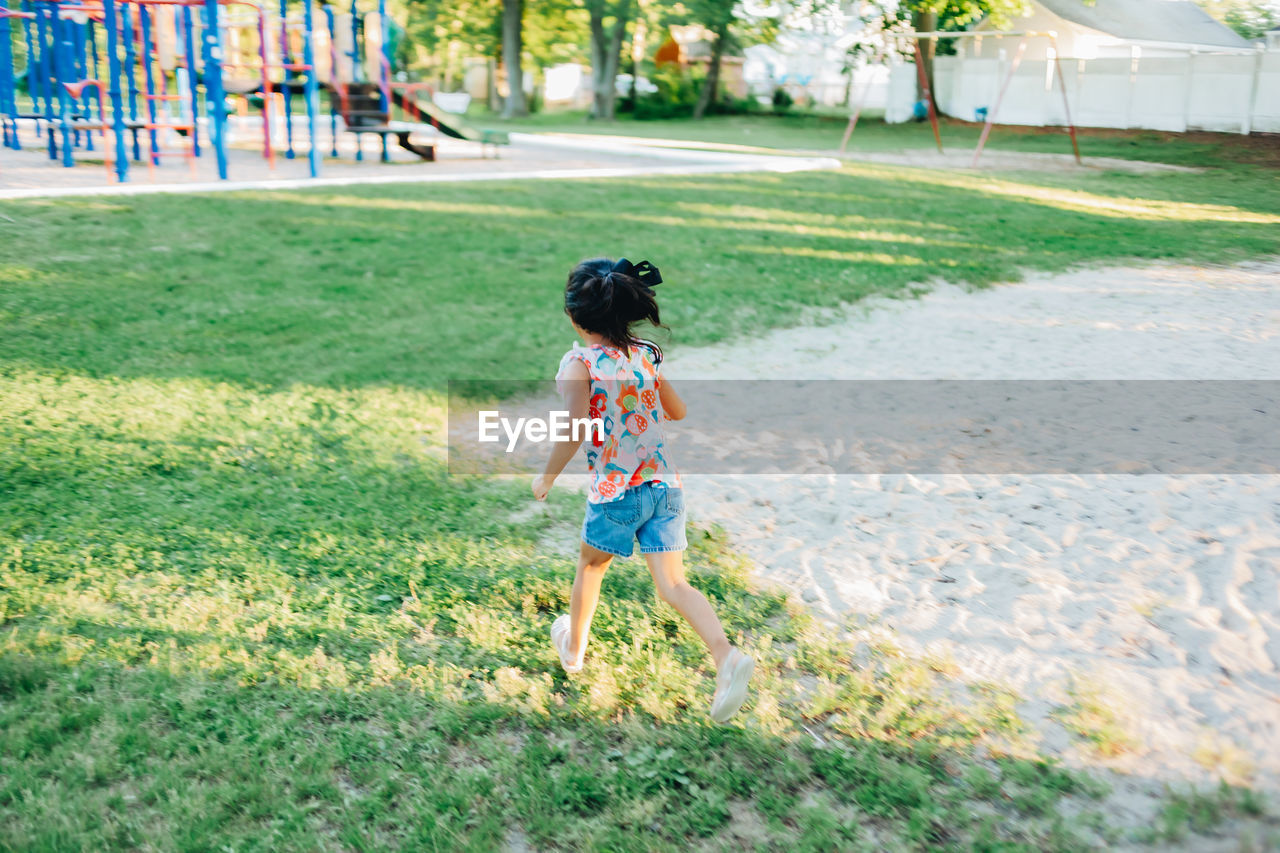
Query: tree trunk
[711,86]
[512,48]
[927,22]
[606,51]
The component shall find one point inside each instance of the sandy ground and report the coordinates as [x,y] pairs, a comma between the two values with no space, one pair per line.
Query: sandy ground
[1159,595]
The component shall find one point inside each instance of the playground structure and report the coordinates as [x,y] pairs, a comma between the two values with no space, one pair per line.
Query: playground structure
[892,40]
[142,80]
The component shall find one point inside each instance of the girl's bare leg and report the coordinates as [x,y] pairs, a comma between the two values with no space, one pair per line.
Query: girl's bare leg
[592,564]
[667,568]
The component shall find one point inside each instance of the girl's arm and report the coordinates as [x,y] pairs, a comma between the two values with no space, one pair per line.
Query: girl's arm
[577,391]
[672,404]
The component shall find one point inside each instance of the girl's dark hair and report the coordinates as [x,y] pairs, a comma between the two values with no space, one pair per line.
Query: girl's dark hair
[603,300]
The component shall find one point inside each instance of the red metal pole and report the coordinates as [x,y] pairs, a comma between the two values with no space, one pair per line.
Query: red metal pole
[928,95]
[267,150]
[991,114]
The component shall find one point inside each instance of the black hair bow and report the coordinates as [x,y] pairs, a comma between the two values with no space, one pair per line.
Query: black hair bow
[644,272]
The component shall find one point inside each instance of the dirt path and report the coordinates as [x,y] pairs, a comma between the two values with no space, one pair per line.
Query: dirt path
[1156,597]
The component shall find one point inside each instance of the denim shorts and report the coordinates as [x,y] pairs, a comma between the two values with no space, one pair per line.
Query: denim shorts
[652,513]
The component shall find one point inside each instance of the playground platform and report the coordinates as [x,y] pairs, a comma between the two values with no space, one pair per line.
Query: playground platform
[30,173]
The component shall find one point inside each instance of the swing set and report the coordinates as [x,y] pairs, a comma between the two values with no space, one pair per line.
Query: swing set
[893,40]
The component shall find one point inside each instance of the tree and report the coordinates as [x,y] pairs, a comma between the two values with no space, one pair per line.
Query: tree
[927,16]
[606,51]
[555,31]
[443,32]
[732,25]
[716,16]
[1250,18]
[513,56]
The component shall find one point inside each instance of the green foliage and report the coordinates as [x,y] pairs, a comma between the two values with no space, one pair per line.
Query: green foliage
[1093,718]
[957,14]
[677,92]
[555,31]
[728,105]
[1250,18]
[1187,811]
[440,34]
[782,100]
[925,15]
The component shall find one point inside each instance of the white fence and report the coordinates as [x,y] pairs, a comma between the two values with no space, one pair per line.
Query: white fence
[1224,92]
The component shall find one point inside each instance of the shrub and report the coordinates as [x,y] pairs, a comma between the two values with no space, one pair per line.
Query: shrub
[782,100]
[676,96]
[730,106]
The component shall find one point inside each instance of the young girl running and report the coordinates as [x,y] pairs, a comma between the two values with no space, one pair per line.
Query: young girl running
[635,492]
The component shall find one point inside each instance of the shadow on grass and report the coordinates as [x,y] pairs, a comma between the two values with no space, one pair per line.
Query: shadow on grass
[101,756]
[256,619]
[318,643]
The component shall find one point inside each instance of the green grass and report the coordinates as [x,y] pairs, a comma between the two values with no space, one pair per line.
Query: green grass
[266,619]
[242,605]
[1191,811]
[1091,717]
[824,132]
[411,285]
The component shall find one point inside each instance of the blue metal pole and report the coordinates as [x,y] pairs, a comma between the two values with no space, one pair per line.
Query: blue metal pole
[113,88]
[80,61]
[131,74]
[193,83]
[286,90]
[64,65]
[213,84]
[357,71]
[384,63]
[310,93]
[333,78]
[384,67]
[46,62]
[8,96]
[148,78]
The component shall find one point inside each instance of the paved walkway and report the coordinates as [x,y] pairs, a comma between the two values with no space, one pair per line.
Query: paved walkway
[31,174]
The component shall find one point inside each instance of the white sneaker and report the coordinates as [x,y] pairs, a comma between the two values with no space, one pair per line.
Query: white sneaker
[560,640]
[731,686]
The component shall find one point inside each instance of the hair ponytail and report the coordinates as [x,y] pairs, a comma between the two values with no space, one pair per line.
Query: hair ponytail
[608,298]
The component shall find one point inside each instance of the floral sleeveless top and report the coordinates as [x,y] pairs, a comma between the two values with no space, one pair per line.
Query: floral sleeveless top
[624,395]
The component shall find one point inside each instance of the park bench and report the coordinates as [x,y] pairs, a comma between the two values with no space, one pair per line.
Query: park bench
[362,112]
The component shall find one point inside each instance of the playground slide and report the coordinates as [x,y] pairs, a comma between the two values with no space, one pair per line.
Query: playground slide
[420,107]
